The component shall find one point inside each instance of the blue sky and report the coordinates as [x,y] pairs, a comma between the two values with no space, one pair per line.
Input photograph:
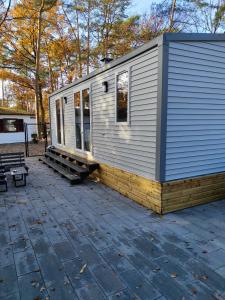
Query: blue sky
[141,6]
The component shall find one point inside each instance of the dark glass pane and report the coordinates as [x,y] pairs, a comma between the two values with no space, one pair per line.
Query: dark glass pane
[77,104]
[86,118]
[63,122]
[10,126]
[122,97]
[19,125]
[58,121]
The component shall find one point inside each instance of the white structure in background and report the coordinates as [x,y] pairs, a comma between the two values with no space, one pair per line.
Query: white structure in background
[12,126]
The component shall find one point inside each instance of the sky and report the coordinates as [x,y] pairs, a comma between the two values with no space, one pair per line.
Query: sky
[140,6]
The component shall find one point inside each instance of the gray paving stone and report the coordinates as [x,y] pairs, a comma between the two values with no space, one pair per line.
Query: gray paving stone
[147,247]
[14,296]
[107,279]
[51,269]
[21,243]
[90,255]
[59,291]
[171,267]
[64,251]
[203,273]
[32,286]
[139,286]
[93,243]
[176,252]
[55,234]
[8,281]
[124,295]
[216,259]
[83,282]
[221,271]
[25,262]
[116,260]
[169,287]
[90,292]
[6,256]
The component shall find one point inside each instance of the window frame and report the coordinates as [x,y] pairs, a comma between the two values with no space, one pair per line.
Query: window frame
[120,71]
[76,90]
[60,116]
[13,119]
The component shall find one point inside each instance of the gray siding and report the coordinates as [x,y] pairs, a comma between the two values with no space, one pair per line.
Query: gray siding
[195,143]
[128,147]
[69,121]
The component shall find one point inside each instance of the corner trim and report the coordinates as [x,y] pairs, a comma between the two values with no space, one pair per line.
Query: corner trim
[162,111]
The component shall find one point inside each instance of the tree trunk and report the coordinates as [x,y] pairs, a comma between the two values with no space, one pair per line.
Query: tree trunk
[172,13]
[88,37]
[38,89]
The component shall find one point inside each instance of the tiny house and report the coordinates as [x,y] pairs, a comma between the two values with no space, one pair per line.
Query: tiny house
[153,119]
[12,126]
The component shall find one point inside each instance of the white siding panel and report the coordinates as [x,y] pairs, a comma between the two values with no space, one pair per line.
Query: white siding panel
[129,147]
[195,143]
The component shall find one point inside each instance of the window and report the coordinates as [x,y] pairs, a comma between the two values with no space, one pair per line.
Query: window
[122,92]
[86,119]
[77,105]
[63,121]
[58,122]
[11,125]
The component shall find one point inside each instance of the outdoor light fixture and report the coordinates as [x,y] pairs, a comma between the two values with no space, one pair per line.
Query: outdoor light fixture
[65,100]
[105,86]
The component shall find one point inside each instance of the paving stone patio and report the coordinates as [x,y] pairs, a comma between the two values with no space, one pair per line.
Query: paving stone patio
[34,149]
[88,242]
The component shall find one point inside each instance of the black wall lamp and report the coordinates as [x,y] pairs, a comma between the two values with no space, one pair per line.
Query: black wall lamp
[65,100]
[105,86]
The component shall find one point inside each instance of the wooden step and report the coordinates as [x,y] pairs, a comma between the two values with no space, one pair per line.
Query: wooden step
[82,172]
[73,178]
[91,165]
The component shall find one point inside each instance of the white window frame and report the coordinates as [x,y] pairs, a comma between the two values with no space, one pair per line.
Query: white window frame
[60,104]
[63,127]
[122,70]
[80,89]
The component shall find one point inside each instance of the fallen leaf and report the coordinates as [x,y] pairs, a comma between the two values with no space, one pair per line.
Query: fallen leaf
[157,269]
[83,268]
[204,277]
[38,221]
[12,225]
[66,281]
[173,275]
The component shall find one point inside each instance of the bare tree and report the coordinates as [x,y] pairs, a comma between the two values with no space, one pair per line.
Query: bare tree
[4,10]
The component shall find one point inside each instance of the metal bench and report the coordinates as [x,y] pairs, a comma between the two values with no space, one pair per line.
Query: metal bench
[3,179]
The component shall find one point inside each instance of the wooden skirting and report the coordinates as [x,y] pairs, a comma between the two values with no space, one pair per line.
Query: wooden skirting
[164,197]
[181,194]
[144,191]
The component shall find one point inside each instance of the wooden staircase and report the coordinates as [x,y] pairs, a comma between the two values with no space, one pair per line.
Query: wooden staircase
[70,166]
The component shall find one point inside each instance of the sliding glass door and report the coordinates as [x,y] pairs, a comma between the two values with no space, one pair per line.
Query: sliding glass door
[82,119]
[60,121]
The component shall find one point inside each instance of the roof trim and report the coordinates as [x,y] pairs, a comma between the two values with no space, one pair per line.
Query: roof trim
[162,39]
[9,113]
[204,37]
[148,46]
